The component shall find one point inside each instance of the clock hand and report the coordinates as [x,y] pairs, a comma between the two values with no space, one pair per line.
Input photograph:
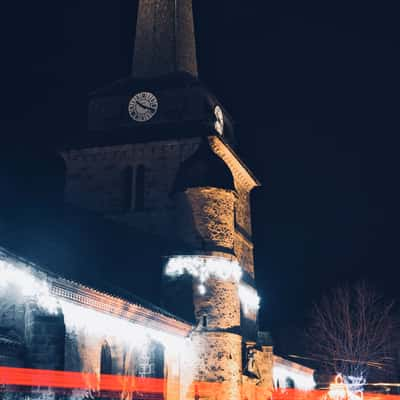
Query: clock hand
[145,107]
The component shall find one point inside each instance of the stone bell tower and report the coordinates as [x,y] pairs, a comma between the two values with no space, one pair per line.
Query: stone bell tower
[160,157]
[165,40]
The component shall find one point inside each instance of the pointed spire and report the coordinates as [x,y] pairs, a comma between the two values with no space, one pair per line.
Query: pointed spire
[165,38]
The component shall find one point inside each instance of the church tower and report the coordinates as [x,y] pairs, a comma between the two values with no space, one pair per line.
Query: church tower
[160,157]
[165,40]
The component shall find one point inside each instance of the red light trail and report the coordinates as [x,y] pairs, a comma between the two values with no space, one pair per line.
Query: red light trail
[22,379]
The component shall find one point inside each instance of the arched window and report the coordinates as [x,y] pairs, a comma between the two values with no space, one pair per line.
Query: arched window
[105,360]
[149,363]
[105,369]
[158,352]
[139,188]
[290,384]
[127,181]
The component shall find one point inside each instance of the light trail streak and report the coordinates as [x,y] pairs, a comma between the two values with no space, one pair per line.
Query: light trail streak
[21,380]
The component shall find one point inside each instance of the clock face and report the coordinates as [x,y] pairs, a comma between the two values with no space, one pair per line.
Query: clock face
[219,120]
[143,106]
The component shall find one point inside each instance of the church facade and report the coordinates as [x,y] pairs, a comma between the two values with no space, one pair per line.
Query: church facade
[157,173]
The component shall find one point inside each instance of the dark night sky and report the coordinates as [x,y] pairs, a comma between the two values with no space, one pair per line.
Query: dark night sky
[314,90]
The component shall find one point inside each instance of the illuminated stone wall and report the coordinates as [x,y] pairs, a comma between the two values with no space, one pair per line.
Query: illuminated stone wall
[205,218]
[243,245]
[244,184]
[244,252]
[219,361]
[34,332]
[55,333]
[257,378]
[95,180]
[243,214]
[214,222]
[289,374]
[84,349]
[206,221]
[219,304]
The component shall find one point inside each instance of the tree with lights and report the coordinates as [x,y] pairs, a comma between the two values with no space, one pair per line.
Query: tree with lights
[352,333]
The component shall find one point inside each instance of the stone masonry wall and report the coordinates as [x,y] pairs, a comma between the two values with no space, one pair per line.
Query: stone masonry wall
[206,221]
[206,217]
[40,331]
[243,214]
[219,304]
[243,243]
[218,361]
[83,354]
[243,185]
[95,180]
[260,363]
[244,253]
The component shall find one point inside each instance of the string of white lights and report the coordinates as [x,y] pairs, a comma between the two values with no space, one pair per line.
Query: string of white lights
[28,285]
[249,298]
[95,323]
[204,268]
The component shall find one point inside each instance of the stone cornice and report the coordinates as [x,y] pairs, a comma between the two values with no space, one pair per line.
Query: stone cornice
[239,170]
[117,307]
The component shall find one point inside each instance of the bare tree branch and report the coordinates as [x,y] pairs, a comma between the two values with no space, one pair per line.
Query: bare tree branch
[352,331]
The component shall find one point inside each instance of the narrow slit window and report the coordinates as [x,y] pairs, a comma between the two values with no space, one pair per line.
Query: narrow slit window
[204,321]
